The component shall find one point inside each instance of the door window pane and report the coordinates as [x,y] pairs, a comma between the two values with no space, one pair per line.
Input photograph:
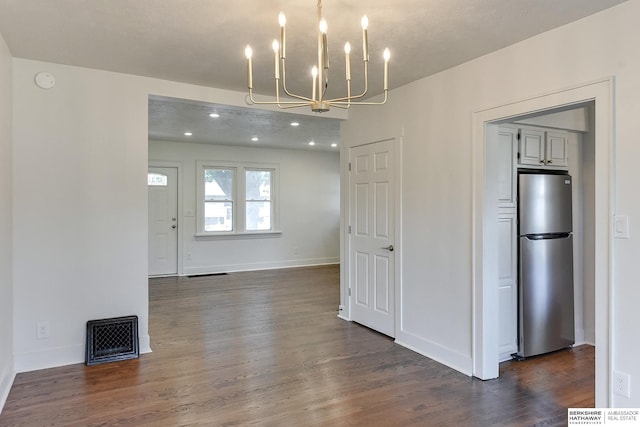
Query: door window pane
[156,179]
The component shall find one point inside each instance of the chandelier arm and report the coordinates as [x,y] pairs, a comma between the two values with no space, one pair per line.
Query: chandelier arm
[290,103]
[284,84]
[350,97]
[339,103]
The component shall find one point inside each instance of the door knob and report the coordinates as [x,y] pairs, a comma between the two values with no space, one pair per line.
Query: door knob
[389,248]
[173,226]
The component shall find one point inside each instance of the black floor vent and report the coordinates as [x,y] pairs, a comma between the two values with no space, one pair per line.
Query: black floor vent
[109,340]
[206,274]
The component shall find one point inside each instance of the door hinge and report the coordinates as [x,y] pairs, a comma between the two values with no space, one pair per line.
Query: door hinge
[349,229]
[349,291]
[518,136]
[349,166]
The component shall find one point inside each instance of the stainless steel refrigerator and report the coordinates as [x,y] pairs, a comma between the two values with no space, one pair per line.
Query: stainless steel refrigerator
[545,285]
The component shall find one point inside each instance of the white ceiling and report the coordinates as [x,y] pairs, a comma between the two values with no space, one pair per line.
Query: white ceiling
[202,41]
[170,118]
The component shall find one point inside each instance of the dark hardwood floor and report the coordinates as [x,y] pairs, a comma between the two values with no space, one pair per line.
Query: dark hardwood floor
[266,348]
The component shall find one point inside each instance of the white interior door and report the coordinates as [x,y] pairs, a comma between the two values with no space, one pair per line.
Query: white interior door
[372,260]
[163,221]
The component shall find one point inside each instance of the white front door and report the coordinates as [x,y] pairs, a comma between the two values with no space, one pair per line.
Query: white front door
[372,260]
[163,221]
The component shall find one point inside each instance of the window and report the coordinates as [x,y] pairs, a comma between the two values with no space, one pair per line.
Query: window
[258,203]
[218,199]
[236,199]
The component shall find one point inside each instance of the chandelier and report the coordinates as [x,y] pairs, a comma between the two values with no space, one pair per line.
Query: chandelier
[319,72]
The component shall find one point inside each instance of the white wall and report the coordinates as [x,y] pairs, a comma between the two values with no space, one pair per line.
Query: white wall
[6,223]
[309,195]
[80,203]
[435,115]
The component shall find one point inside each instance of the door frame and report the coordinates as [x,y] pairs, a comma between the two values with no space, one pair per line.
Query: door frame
[178,167]
[485,263]
[344,311]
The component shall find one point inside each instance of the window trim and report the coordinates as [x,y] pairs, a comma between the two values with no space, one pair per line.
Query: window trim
[239,197]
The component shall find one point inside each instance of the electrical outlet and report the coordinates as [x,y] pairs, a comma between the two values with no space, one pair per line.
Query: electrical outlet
[43,330]
[621,384]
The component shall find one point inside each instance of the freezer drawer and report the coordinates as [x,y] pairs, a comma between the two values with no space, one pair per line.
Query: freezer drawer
[545,295]
[544,204]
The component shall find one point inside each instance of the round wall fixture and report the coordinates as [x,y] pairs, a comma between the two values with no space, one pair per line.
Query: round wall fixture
[45,80]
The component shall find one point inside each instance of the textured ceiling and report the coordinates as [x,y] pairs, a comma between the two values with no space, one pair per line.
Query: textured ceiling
[202,41]
[170,118]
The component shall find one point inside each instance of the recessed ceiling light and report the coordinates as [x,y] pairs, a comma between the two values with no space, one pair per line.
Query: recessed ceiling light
[188,134]
[295,124]
[312,143]
[334,145]
[254,139]
[214,115]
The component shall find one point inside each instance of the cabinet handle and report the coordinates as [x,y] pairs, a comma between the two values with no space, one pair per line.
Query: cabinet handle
[542,161]
[549,161]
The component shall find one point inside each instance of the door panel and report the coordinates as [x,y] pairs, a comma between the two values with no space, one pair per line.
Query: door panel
[372,263]
[382,214]
[362,279]
[163,221]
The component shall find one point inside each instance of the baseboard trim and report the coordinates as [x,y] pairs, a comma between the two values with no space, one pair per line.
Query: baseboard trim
[235,268]
[6,382]
[49,358]
[145,344]
[446,356]
[62,356]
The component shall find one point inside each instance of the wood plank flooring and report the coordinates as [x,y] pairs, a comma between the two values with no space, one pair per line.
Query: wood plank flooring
[266,348]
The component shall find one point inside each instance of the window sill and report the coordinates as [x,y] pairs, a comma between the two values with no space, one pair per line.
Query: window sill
[243,235]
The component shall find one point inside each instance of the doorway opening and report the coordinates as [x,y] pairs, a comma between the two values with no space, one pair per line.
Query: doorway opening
[598,96]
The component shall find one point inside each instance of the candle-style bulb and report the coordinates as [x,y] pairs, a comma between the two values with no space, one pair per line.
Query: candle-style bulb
[347,65]
[275,46]
[282,20]
[386,55]
[314,74]
[323,26]
[364,22]
[365,39]
[248,53]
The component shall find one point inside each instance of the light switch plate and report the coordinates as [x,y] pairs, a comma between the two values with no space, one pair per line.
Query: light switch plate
[621,226]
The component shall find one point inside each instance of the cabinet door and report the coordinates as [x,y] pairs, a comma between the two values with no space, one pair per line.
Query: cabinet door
[556,149]
[532,147]
[507,152]
[507,286]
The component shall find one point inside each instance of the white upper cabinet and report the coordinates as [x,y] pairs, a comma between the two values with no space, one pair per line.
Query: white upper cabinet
[556,149]
[543,149]
[507,152]
[532,150]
